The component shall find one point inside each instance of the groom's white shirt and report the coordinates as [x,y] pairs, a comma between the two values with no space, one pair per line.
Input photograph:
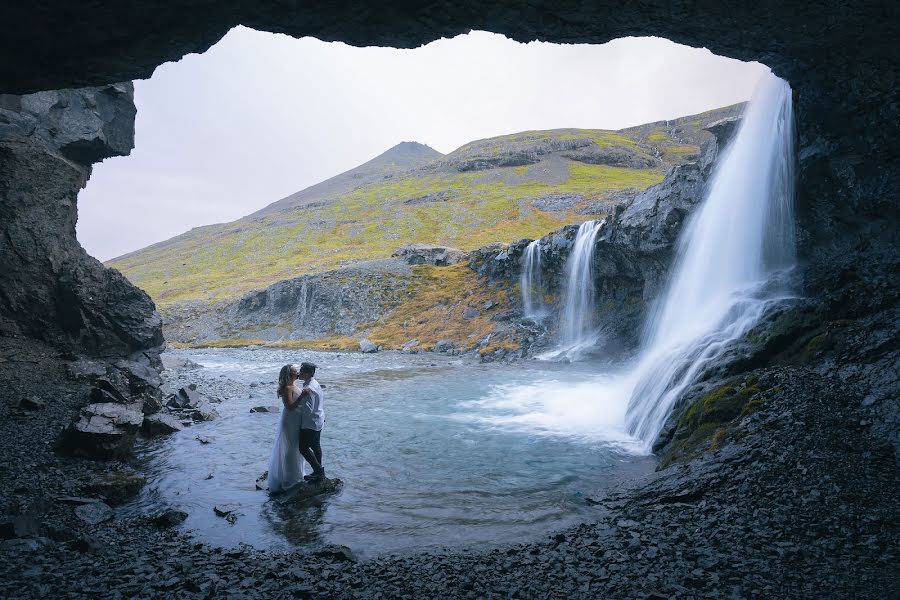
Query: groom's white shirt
[312,411]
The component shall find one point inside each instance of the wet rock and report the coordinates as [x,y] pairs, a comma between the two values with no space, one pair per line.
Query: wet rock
[187,397]
[367,347]
[222,510]
[443,346]
[104,430]
[261,481]
[169,517]
[338,552]
[117,486]
[94,513]
[203,440]
[32,403]
[203,412]
[160,424]
[266,409]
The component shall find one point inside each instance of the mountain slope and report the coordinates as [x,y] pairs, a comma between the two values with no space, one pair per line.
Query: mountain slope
[498,189]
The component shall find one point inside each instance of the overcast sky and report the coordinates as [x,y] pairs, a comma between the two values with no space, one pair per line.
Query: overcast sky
[260,116]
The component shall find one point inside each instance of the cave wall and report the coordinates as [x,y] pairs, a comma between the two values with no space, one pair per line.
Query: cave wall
[50,288]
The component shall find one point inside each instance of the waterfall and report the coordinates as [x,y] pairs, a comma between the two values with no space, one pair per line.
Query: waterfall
[576,320]
[531,281]
[729,256]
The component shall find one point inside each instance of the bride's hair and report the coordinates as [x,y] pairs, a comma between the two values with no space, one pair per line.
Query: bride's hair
[283,379]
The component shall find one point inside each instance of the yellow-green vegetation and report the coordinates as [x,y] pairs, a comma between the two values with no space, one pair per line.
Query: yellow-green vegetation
[369,212]
[438,297]
[707,421]
[369,222]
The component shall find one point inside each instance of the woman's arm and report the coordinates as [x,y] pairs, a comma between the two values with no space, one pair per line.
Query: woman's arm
[288,398]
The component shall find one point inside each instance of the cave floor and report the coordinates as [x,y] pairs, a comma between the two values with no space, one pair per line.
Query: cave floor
[799,501]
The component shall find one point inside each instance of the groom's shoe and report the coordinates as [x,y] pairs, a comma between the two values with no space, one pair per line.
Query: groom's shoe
[316,476]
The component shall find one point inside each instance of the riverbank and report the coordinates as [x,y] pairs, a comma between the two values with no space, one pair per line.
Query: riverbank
[799,500]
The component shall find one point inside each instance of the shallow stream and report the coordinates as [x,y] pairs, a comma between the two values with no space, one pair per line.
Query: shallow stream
[433,451]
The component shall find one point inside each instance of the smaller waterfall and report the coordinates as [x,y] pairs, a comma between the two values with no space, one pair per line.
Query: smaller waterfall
[576,320]
[531,281]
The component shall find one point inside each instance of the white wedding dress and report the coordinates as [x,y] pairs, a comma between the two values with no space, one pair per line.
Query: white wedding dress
[286,466]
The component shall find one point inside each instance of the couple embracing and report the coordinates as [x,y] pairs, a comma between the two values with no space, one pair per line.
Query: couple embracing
[299,430]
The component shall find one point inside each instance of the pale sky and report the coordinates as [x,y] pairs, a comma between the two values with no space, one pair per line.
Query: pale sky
[260,116]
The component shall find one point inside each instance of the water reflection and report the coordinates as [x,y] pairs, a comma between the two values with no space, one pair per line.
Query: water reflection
[433,451]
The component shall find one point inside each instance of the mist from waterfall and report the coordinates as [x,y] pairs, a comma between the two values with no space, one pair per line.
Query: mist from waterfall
[531,281]
[727,263]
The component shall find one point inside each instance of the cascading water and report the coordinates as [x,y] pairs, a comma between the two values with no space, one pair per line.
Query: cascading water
[728,260]
[576,322]
[531,281]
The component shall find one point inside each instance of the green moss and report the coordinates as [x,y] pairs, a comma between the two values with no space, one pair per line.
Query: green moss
[706,422]
[817,345]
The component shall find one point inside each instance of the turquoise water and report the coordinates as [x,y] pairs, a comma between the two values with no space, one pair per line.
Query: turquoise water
[433,451]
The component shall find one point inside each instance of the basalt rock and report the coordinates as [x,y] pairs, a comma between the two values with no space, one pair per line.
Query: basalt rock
[425,254]
[104,430]
[306,307]
[50,289]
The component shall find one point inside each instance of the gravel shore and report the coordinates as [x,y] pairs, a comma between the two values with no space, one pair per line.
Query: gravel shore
[798,501]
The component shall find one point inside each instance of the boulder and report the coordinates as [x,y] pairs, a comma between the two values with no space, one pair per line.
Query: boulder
[470,312]
[223,510]
[160,424]
[338,552]
[443,345]
[104,430]
[367,347]
[426,254]
[94,513]
[203,412]
[117,486]
[168,518]
[266,409]
[32,403]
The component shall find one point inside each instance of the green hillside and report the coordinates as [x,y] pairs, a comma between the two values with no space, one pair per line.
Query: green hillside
[499,189]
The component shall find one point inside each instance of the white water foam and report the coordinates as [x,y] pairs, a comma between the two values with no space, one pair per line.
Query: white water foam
[591,411]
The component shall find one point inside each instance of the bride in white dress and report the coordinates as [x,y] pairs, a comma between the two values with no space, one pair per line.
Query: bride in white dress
[286,465]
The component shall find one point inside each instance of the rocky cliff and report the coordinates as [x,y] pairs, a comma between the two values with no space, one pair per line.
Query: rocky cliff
[50,289]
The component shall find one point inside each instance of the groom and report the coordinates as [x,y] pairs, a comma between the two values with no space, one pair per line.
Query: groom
[312,418]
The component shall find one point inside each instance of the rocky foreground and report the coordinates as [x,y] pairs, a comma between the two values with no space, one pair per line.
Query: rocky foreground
[796,500]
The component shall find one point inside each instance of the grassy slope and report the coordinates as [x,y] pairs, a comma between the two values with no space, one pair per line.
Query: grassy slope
[371,220]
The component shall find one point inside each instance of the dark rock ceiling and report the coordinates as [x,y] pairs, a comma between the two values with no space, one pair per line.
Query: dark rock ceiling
[51,44]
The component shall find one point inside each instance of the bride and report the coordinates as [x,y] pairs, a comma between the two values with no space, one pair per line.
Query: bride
[286,464]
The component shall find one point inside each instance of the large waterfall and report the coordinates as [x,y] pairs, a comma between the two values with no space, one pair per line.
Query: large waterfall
[728,258]
[531,281]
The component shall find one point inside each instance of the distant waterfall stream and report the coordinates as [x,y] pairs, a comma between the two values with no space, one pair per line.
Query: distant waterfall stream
[531,281]
[576,319]
[728,259]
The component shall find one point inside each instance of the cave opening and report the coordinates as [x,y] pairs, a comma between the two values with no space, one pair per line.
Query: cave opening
[469,154]
[814,386]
